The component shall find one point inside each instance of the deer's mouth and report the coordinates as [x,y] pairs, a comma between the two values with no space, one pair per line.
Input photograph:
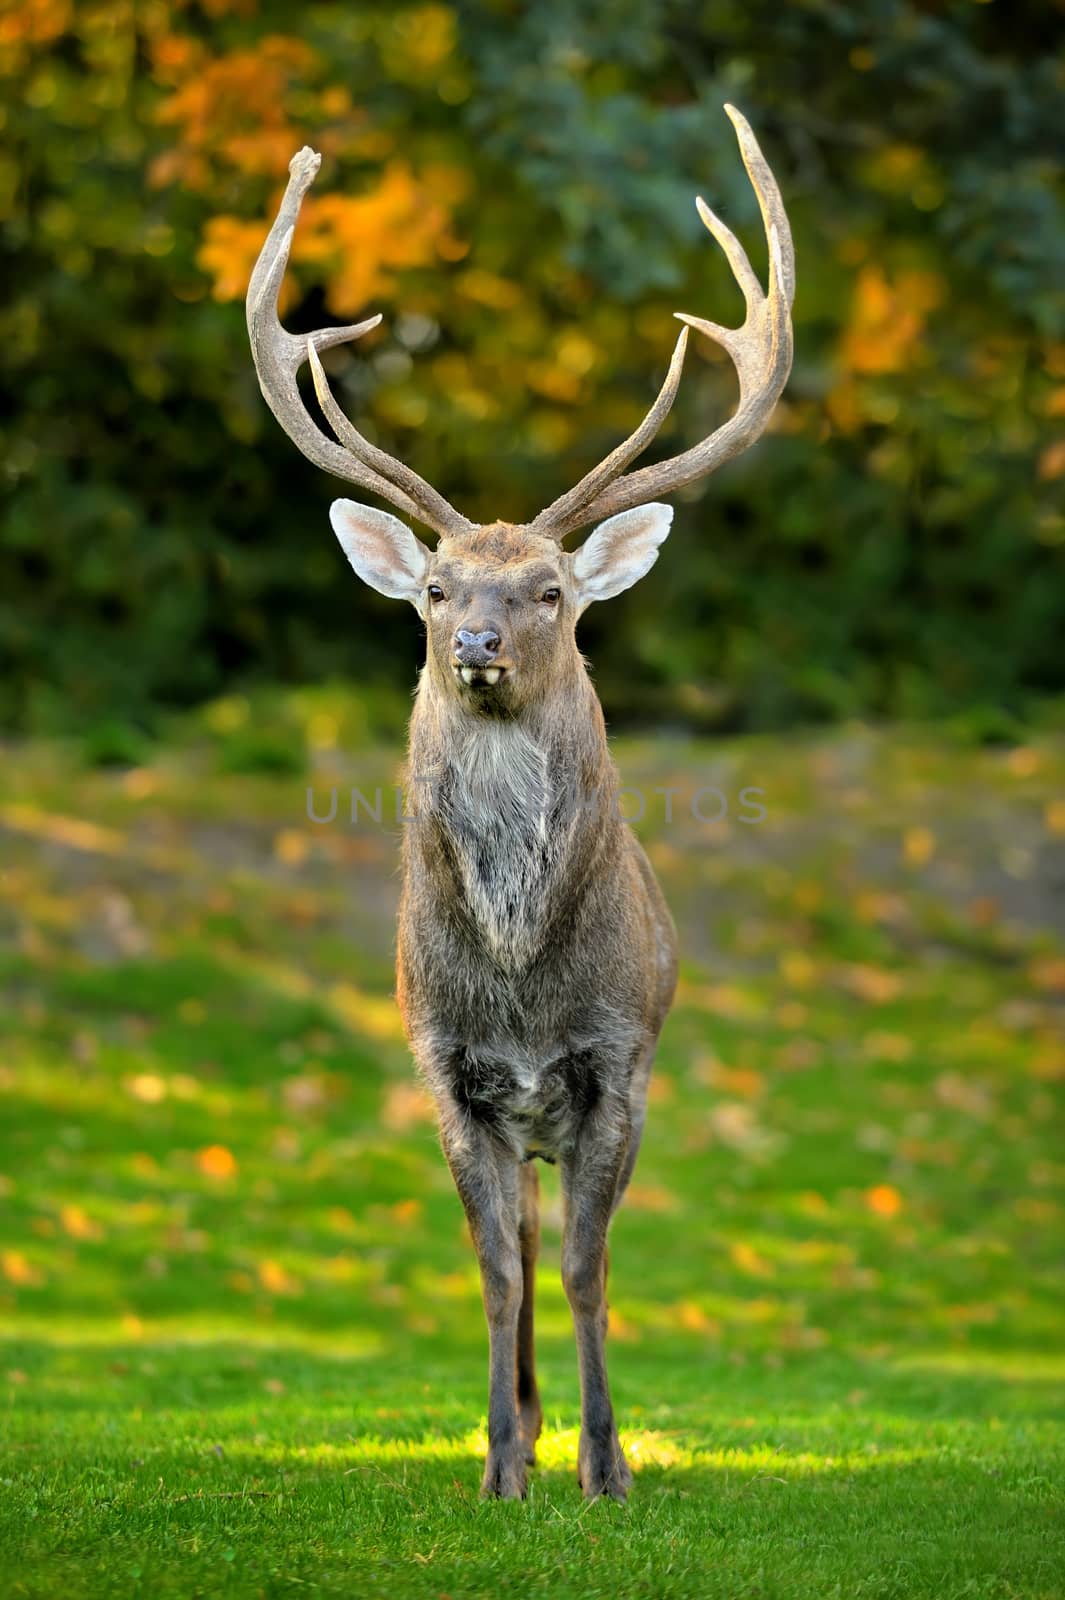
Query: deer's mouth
[479,677]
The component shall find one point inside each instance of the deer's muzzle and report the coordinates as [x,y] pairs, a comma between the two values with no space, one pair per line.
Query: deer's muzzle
[476,649]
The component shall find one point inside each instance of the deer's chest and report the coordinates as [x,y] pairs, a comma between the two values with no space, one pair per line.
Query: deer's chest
[497,809]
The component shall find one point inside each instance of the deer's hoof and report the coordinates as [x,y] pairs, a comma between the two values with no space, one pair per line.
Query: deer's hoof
[603,1470]
[504,1475]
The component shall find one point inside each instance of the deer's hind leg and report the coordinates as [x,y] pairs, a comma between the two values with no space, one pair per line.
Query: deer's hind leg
[529,1409]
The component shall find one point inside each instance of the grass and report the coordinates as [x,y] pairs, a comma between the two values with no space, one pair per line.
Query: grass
[243,1347]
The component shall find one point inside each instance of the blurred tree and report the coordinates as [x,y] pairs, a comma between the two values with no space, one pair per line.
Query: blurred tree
[513,185]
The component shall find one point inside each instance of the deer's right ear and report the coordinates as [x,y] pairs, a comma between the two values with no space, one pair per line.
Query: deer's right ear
[383,551]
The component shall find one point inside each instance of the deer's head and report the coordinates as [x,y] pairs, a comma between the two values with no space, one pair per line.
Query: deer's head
[500,602]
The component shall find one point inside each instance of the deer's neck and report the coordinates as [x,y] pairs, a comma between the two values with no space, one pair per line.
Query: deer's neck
[507,812]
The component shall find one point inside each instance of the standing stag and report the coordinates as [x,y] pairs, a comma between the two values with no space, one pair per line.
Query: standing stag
[536,958]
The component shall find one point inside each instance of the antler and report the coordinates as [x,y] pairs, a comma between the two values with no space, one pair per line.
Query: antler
[279,355]
[760,350]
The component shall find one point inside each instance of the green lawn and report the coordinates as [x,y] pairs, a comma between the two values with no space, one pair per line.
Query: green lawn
[243,1344]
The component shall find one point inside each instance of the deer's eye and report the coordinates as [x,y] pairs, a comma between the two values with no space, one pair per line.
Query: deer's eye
[550,597]
[435,592]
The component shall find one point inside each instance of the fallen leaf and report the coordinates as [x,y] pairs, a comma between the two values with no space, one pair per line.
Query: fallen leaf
[651,1197]
[798,1055]
[871,984]
[308,1091]
[733,1123]
[747,1259]
[78,1224]
[373,1015]
[741,1081]
[620,1328]
[147,1087]
[18,1270]
[883,1200]
[276,1280]
[406,1104]
[797,969]
[291,847]
[887,1047]
[691,1316]
[1024,762]
[792,1014]
[965,1094]
[1048,972]
[1055,816]
[215,1161]
[918,846]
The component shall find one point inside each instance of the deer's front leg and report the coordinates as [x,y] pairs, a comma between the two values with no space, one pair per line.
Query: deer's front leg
[487,1178]
[590,1177]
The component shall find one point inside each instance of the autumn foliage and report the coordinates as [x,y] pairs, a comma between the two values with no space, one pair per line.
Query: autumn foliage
[512,187]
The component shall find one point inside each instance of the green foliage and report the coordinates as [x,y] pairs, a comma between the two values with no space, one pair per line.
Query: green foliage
[512,185]
[261,752]
[112,743]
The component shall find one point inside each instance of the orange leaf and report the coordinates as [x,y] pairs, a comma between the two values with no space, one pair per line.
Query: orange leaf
[1048,972]
[228,253]
[1023,762]
[18,1270]
[276,1280]
[746,1258]
[79,1224]
[883,1200]
[691,1315]
[918,846]
[650,1197]
[1052,460]
[215,1161]
[872,984]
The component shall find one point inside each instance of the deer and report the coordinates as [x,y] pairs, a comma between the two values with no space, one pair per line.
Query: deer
[536,956]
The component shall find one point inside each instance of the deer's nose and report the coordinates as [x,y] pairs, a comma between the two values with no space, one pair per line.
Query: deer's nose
[476,649]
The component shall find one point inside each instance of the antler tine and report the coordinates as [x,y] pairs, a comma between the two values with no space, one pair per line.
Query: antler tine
[761,351]
[278,356]
[433,509]
[559,512]
[770,201]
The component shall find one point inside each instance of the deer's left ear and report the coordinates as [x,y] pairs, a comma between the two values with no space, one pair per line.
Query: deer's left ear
[618,553]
